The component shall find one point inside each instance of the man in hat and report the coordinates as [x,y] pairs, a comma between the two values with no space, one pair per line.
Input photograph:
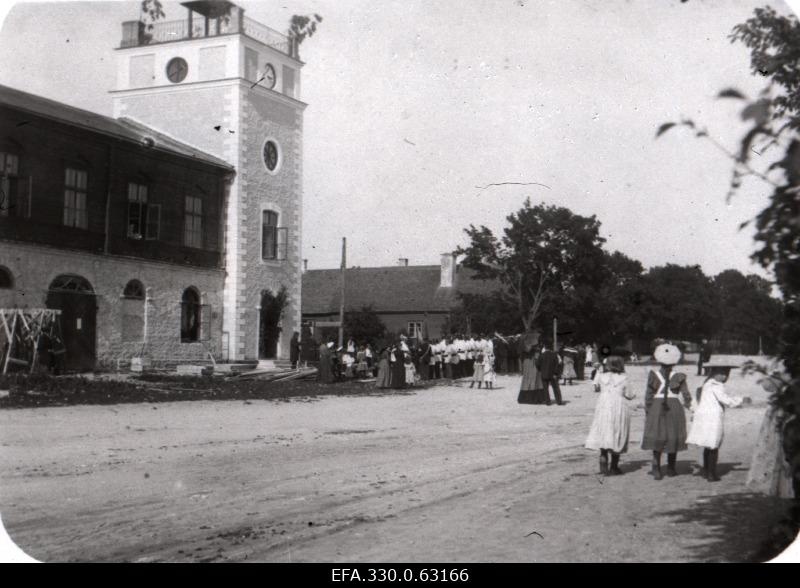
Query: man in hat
[550,369]
[665,421]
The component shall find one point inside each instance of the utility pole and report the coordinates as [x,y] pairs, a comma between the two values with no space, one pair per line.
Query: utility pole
[341,302]
[555,334]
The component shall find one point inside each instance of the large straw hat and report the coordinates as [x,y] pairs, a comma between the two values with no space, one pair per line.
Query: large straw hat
[667,354]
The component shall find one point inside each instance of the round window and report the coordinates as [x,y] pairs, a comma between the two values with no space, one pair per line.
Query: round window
[177,69]
[271,155]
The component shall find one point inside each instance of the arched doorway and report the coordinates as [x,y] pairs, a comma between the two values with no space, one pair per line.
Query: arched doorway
[272,306]
[74,297]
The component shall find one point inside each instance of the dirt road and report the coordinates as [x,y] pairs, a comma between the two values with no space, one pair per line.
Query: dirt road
[447,474]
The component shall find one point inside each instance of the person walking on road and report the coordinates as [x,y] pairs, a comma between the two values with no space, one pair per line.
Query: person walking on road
[707,423]
[665,420]
[612,416]
[550,368]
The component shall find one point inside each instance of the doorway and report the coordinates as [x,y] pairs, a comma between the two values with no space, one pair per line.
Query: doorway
[75,298]
[272,306]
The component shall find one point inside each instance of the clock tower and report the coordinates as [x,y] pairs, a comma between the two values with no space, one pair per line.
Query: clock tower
[230,86]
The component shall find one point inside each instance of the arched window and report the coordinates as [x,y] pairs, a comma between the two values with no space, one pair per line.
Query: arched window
[190,315]
[134,290]
[71,283]
[6,279]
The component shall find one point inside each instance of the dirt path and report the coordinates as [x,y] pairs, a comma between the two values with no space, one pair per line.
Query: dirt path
[445,474]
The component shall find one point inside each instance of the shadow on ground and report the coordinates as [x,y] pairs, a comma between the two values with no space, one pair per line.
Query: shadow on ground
[741,527]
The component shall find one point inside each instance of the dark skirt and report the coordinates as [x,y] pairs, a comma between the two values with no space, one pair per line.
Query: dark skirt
[398,375]
[665,430]
[539,396]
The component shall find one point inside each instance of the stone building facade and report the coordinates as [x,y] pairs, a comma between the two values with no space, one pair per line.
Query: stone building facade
[208,122]
[237,101]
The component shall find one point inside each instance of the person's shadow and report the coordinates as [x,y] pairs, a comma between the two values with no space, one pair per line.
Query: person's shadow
[628,467]
[739,527]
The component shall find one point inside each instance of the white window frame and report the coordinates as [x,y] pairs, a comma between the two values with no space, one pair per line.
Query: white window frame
[279,149]
[76,183]
[414,329]
[193,222]
[137,195]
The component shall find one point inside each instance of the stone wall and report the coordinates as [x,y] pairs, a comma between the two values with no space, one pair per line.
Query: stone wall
[33,269]
[263,118]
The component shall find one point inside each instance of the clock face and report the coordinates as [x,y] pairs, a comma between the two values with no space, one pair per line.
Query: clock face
[269,76]
[177,70]
[271,155]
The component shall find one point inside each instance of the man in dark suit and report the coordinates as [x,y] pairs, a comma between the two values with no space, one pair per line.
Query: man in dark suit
[703,356]
[500,353]
[549,365]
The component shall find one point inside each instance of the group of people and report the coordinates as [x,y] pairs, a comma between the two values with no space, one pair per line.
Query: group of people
[667,397]
[407,361]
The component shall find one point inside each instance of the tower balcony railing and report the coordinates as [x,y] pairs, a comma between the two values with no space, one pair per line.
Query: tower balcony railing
[136,33]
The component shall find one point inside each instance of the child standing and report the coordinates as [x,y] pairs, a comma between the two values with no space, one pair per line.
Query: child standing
[411,371]
[665,418]
[488,370]
[477,370]
[612,420]
[707,426]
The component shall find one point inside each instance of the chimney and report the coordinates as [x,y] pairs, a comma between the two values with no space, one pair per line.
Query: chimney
[305,265]
[448,273]
[403,262]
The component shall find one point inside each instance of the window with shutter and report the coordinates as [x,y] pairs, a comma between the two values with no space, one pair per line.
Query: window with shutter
[153,221]
[282,243]
[137,210]
[269,235]
[205,322]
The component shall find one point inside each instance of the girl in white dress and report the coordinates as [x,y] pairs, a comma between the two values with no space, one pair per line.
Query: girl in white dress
[707,425]
[612,420]
[488,369]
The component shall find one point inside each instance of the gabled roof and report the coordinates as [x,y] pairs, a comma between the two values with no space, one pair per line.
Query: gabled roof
[123,128]
[387,289]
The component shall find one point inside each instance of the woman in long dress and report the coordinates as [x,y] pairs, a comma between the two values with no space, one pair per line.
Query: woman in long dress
[531,390]
[612,418]
[383,380]
[568,366]
[398,368]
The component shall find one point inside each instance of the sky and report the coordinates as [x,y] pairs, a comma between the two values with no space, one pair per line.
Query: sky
[416,105]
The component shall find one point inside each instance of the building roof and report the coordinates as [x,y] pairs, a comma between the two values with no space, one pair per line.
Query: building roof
[123,128]
[387,289]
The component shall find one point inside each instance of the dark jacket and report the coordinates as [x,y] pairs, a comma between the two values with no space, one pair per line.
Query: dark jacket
[549,365]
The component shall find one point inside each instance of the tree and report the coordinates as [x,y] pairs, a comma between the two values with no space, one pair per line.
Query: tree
[364,326]
[301,27]
[613,303]
[748,311]
[545,252]
[774,43]
[675,302]
[484,314]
